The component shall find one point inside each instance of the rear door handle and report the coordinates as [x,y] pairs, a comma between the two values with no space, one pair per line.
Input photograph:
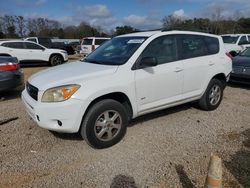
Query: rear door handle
[211,63]
[178,69]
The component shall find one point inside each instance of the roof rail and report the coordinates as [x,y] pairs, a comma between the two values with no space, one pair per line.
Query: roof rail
[186,29]
[148,30]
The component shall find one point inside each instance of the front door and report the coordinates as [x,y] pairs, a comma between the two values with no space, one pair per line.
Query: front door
[160,85]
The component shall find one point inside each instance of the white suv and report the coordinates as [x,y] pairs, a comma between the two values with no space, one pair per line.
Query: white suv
[127,77]
[235,43]
[89,44]
[31,52]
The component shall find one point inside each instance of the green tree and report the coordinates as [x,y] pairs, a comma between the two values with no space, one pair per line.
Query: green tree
[120,30]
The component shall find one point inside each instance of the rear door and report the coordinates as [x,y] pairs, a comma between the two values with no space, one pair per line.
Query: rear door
[87,45]
[16,49]
[198,54]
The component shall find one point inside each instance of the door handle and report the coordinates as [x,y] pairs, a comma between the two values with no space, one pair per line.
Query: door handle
[211,63]
[178,69]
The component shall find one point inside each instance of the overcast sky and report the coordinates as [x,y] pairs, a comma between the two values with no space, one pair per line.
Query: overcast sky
[141,14]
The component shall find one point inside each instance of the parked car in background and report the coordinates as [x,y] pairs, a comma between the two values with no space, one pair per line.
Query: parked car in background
[241,67]
[47,42]
[89,44]
[61,45]
[76,46]
[11,76]
[126,77]
[44,41]
[235,43]
[30,52]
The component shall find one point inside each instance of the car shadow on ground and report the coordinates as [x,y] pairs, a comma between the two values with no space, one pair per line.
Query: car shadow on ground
[239,85]
[122,181]
[161,113]
[67,136]
[239,165]
[34,65]
[141,119]
[9,95]
[183,177]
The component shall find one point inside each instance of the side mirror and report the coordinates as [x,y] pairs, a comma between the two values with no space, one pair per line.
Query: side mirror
[148,62]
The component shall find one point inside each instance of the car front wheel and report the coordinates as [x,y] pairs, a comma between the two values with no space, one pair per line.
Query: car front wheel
[213,95]
[56,60]
[105,124]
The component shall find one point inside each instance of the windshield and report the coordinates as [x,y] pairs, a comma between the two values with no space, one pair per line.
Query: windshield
[245,53]
[230,39]
[116,51]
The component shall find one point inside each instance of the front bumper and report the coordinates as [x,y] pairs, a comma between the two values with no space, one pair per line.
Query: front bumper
[66,57]
[240,78]
[60,117]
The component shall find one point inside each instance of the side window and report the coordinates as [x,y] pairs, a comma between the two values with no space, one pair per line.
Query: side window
[33,40]
[212,44]
[16,45]
[243,40]
[32,46]
[191,46]
[162,48]
[87,42]
[99,41]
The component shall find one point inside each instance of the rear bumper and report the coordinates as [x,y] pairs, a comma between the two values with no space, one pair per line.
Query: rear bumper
[11,80]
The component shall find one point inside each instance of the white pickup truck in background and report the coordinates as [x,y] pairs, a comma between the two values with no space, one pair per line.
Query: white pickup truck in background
[235,43]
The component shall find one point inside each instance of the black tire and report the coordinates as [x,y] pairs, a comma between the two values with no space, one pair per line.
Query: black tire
[90,131]
[207,101]
[56,60]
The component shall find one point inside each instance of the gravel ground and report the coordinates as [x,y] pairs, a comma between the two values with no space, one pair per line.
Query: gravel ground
[170,148]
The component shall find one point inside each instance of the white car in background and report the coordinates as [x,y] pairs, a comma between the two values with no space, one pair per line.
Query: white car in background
[30,52]
[235,43]
[89,44]
[126,77]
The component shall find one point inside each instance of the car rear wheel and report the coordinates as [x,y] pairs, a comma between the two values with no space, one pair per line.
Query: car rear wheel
[213,95]
[105,124]
[56,60]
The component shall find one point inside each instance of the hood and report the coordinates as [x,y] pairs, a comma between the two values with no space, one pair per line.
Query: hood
[241,61]
[70,73]
[232,47]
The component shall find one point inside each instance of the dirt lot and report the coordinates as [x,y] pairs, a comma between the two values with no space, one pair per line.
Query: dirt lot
[170,148]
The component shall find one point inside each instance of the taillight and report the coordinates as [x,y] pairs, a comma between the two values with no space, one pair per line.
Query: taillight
[9,66]
[93,47]
[229,55]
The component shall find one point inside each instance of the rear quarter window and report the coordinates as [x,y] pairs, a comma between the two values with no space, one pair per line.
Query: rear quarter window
[32,40]
[212,44]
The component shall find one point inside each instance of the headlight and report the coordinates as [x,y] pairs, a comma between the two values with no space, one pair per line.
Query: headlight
[58,94]
[64,52]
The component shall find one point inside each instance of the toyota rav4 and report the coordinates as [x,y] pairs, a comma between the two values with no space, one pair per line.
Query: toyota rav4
[127,77]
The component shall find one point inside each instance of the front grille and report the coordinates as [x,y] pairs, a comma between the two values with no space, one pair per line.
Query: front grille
[32,90]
